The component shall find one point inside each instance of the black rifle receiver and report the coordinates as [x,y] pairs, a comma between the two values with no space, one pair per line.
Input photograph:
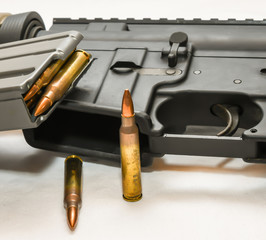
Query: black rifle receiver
[199,88]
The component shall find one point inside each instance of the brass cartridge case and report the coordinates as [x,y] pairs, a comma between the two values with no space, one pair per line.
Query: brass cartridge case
[130,153]
[45,78]
[62,80]
[73,189]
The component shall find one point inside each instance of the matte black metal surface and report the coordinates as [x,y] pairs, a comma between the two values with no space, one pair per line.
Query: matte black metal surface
[222,63]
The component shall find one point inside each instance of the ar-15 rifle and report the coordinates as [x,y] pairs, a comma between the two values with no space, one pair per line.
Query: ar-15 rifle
[198,87]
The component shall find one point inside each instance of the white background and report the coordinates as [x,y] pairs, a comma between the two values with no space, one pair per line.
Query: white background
[184,197]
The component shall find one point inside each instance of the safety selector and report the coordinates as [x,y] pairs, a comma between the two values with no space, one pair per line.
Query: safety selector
[177,39]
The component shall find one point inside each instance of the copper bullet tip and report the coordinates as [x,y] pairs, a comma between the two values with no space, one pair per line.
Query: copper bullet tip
[72,217]
[127,105]
[34,89]
[44,104]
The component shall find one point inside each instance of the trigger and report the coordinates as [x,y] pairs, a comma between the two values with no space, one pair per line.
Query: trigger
[228,113]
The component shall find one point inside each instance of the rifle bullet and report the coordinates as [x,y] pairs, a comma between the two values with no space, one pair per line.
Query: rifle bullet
[130,152]
[73,189]
[32,102]
[62,80]
[45,78]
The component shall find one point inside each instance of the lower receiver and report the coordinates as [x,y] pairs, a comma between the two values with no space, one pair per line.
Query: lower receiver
[198,86]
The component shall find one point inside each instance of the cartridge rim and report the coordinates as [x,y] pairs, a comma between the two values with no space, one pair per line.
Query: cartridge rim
[74,156]
[133,199]
[84,52]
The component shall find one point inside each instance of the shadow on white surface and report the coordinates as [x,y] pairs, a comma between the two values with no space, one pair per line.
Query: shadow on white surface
[34,163]
[220,167]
